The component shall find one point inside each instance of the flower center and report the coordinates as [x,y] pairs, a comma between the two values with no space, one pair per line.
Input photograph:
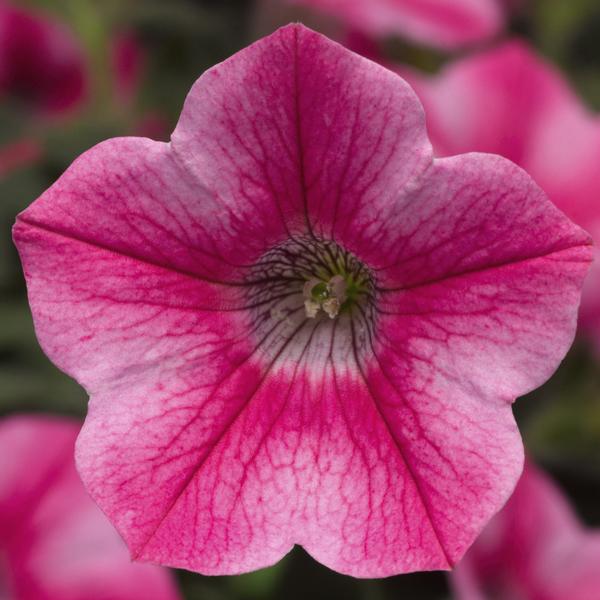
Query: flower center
[309,288]
[336,286]
[329,296]
[329,278]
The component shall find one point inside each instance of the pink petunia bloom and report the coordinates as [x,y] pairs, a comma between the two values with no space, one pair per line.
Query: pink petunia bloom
[295,326]
[55,544]
[510,102]
[534,549]
[41,64]
[445,24]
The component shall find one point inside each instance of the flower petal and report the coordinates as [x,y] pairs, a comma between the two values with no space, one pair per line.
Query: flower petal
[297,132]
[56,542]
[301,461]
[535,547]
[440,23]
[491,102]
[487,282]
[41,62]
[116,259]
[509,101]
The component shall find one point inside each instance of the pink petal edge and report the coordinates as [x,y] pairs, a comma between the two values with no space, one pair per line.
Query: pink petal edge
[446,24]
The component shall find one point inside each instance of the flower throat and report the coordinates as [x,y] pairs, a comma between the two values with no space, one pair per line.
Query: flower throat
[324,277]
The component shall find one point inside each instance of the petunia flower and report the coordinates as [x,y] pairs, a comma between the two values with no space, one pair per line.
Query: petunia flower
[295,326]
[42,67]
[534,549]
[446,24]
[55,543]
[511,102]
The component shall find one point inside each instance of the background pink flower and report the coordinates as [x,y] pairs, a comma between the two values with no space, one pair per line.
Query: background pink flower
[127,65]
[534,549]
[509,101]
[18,154]
[42,66]
[440,23]
[178,282]
[55,543]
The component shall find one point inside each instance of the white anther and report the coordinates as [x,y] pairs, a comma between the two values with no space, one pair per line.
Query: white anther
[311,307]
[332,307]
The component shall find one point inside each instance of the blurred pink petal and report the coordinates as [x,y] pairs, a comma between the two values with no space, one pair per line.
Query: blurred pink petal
[154,125]
[178,283]
[511,102]
[440,23]
[41,64]
[127,60]
[535,549]
[55,542]
[19,154]
[514,5]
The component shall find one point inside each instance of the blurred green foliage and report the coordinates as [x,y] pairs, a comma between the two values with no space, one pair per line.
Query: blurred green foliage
[179,40]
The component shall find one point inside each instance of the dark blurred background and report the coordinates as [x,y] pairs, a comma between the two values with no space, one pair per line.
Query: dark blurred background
[133,63]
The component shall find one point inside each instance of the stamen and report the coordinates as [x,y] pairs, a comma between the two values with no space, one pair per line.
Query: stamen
[312,308]
[332,307]
[326,295]
[309,279]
